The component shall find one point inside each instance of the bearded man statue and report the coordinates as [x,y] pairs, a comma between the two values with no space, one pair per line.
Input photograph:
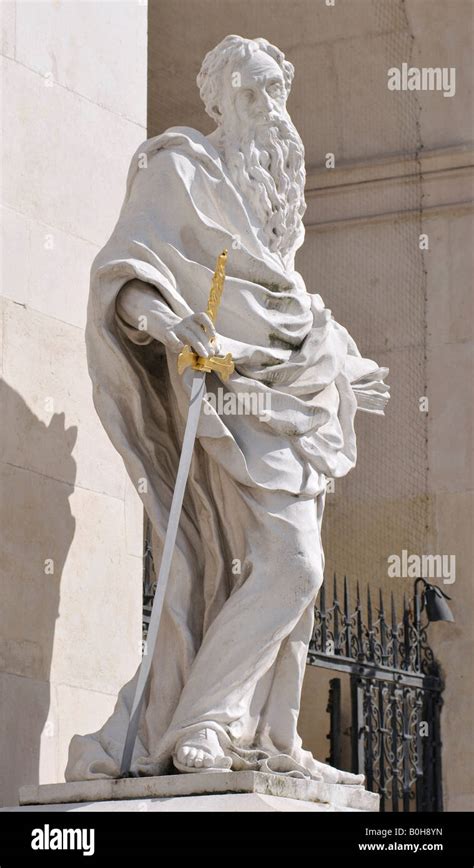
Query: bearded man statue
[227,670]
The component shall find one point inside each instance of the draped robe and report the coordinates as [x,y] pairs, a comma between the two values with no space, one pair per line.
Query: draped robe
[181,209]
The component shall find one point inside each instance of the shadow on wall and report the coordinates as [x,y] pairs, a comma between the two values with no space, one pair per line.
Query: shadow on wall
[38,477]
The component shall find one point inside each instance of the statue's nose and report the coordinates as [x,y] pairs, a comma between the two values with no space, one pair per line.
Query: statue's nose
[264,103]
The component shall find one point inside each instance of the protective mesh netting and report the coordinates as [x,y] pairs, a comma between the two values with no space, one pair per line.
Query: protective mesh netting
[371,274]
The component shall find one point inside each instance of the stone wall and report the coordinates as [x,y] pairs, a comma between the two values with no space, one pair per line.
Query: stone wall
[74,103]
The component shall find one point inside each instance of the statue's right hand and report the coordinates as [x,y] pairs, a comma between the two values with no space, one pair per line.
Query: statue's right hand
[198,332]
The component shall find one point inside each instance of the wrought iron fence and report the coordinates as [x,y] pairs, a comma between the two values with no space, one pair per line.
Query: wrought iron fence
[395,696]
[149,578]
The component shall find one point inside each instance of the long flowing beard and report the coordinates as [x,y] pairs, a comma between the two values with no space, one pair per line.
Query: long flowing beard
[266,164]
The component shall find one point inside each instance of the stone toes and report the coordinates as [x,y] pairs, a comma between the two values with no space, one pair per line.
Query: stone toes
[191,756]
[348,778]
[199,758]
[184,755]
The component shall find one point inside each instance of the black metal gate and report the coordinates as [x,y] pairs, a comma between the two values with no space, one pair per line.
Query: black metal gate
[395,697]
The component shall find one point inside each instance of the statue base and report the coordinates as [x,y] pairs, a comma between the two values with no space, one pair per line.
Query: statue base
[198,791]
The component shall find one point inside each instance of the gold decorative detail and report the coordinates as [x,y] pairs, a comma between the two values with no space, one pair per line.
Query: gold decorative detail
[217,287]
[222,365]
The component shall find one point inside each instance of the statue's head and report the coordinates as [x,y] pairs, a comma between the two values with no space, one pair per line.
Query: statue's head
[249,78]
[244,84]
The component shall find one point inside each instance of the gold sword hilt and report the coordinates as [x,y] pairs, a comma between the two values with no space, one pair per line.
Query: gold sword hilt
[222,365]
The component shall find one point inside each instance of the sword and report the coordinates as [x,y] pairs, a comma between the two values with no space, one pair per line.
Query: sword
[223,366]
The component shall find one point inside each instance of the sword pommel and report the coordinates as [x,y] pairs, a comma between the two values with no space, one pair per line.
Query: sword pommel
[222,365]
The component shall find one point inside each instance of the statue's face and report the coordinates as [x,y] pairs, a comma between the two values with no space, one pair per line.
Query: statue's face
[258,94]
[262,149]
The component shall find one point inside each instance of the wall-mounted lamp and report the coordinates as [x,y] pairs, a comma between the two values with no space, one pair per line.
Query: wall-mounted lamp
[433,599]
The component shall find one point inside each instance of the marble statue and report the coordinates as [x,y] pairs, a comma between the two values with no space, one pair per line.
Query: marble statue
[227,672]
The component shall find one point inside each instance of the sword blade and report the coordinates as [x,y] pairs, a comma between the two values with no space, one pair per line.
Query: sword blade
[197,394]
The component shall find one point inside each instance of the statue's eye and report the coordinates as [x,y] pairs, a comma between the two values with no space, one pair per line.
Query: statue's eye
[275,90]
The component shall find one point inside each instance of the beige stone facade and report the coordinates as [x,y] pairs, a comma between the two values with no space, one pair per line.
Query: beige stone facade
[74,110]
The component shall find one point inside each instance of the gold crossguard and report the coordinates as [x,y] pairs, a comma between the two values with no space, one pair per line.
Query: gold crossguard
[222,365]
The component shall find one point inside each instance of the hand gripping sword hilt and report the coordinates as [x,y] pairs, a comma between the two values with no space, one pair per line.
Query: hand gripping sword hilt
[222,365]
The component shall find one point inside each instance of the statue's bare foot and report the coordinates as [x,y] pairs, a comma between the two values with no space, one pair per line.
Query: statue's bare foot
[201,751]
[336,776]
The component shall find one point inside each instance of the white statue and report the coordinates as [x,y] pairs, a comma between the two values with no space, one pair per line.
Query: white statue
[227,673]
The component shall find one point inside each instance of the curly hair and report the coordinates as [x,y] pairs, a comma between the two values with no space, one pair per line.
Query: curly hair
[226,53]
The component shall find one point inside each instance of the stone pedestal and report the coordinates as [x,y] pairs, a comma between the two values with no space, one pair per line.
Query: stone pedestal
[245,791]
